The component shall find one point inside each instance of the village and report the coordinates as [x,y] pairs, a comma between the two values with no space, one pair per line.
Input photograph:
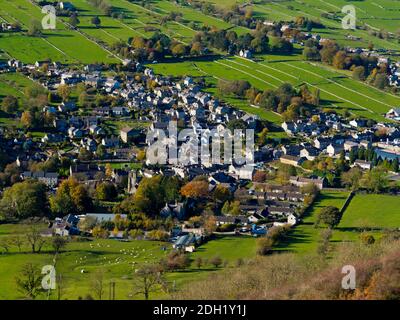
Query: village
[85,139]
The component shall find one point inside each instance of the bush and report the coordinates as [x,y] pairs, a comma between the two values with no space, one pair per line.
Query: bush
[228,227]
[158,235]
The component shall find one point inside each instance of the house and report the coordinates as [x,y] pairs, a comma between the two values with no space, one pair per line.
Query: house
[96,130]
[127,134]
[245,172]
[48,178]
[358,123]
[302,182]
[394,114]
[120,111]
[309,152]
[176,210]
[334,149]
[350,145]
[64,5]
[291,160]
[365,165]
[221,220]
[112,142]
[245,54]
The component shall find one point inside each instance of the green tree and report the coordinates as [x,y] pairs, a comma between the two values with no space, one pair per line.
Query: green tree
[29,281]
[58,243]
[25,199]
[96,21]
[330,216]
[34,29]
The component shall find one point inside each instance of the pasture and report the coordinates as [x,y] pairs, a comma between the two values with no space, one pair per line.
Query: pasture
[305,237]
[374,211]
[80,261]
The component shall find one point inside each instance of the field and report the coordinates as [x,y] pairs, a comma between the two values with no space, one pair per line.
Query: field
[305,237]
[117,260]
[337,89]
[377,16]
[372,211]
[62,44]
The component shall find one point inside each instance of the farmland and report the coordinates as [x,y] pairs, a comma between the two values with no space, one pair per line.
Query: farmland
[117,260]
[337,89]
[382,16]
[305,237]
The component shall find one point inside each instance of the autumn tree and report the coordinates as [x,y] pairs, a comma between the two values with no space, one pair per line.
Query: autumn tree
[35,239]
[195,189]
[10,104]
[71,197]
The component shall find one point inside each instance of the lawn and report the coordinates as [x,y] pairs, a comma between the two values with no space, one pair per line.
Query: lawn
[118,261]
[372,211]
[305,237]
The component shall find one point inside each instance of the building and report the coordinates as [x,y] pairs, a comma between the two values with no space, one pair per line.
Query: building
[48,178]
[291,160]
[302,182]
[127,134]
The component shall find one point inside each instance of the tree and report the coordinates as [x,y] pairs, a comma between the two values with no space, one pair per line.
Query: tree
[27,119]
[34,29]
[97,284]
[58,243]
[71,197]
[73,20]
[99,232]
[195,189]
[96,21]
[359,73]
[264,246]
[17,241]
[147,280]
[25,199]
[221,194]
[29,281]
[381,81]
[106,191]
[351,178]
[232,208]
[178,50]
[375,180]
[64,91]
[216,261]
[329,216]
[35,239]
[367,239]
[198,262]
[10,104]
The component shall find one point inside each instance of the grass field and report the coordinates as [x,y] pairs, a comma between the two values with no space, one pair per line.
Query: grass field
[62,44]
[372,211]
[117,260]
[305,237]
[338,90]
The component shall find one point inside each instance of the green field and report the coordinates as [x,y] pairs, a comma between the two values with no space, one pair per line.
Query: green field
[338,90]
[62,44]
[117,260]
[372,211]
[305,237]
